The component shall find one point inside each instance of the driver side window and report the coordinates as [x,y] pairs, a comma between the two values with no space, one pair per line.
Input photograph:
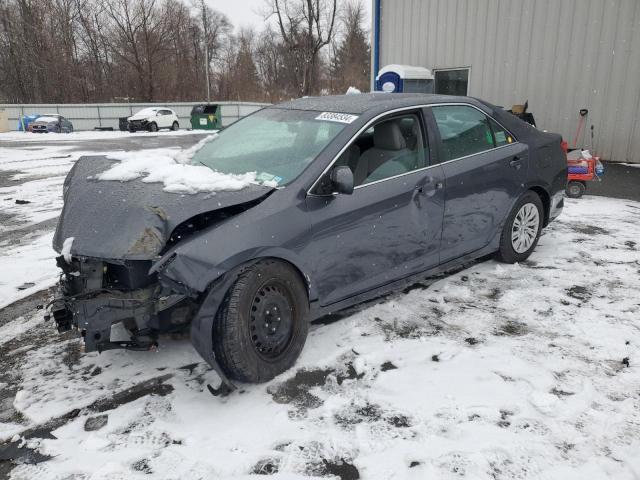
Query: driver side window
[391,147]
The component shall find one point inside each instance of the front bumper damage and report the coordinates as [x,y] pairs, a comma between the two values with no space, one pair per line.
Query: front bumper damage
[135,125]
[116,305]
[121,305]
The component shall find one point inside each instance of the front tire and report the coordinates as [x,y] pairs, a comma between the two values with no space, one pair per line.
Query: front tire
[522,229]
[261,327]
[153,127]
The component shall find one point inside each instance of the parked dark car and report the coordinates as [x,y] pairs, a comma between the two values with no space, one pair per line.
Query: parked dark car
[51,123]
[374,191]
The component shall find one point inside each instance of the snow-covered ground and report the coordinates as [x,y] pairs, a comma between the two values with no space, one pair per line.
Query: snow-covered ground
[526,371]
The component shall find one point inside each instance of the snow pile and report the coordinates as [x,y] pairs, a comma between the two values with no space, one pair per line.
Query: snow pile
[177,177]
[353,91]
[171,167]
[185,156]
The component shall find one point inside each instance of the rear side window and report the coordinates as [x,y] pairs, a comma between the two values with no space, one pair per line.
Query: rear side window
[501,136]
[463,130]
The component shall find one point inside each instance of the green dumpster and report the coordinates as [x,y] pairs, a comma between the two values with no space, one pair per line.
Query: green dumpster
[206,117]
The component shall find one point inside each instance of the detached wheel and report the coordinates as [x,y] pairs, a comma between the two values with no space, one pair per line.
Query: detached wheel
[153,127]
[522,229]
[261,328]
[175,126]
[575,189]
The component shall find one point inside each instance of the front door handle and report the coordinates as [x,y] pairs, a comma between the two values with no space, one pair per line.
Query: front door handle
[429,187]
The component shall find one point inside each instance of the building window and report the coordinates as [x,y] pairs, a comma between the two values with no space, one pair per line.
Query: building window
[452,81]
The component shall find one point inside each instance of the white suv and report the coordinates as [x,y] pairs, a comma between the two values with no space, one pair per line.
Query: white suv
[153,119]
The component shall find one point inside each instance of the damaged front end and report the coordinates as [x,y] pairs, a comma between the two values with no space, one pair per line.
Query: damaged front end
[117,233]
[116,305]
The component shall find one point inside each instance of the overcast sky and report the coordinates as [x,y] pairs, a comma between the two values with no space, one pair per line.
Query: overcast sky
[241,12]
[249,12]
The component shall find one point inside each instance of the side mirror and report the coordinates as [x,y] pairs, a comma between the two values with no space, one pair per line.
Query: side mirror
[342,180]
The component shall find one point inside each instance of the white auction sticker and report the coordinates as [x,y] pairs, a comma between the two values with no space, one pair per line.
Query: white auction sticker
[337,117]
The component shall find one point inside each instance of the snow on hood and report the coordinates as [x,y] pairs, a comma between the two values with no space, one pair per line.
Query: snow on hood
[145,113]
[171,168]
[47,119]
[131,220]
[139,116]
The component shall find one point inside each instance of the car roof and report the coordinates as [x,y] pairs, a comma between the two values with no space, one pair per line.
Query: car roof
[365,102]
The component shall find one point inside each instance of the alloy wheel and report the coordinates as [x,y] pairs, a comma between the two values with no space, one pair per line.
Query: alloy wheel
[524,230]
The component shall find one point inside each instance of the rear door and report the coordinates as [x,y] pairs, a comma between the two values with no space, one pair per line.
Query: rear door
[485,170]
[389,228]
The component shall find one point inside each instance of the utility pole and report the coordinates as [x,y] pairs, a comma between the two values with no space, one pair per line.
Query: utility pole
[206,49]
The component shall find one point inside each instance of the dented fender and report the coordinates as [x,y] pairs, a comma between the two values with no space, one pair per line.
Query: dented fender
[257,233]
[201,332]
[197,274]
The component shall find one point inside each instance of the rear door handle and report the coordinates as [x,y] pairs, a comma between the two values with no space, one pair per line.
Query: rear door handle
[516,162]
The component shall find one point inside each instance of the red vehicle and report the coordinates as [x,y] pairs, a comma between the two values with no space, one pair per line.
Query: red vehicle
[583,168]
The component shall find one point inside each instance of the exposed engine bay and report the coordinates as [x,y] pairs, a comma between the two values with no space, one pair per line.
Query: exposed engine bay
[117,305]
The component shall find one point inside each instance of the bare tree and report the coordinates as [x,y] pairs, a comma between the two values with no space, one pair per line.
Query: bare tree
[151,50]
[351,60]
[269,55]
[139,31]
[306,27]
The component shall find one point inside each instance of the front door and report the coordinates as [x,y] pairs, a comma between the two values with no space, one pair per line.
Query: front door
[485,170]
[389,228]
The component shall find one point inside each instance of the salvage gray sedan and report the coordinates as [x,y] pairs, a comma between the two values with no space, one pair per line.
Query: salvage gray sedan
[356,196]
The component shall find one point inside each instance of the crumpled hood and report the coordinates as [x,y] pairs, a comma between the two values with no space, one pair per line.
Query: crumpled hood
[130,220]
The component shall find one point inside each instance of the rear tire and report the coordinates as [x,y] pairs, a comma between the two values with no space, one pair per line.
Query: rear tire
[575,189]
[261,327]
[522,229]
[175,126]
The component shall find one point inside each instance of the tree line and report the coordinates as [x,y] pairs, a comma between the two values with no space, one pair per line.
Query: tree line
[65,51]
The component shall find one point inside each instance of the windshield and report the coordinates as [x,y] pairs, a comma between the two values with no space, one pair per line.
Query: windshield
[275,144]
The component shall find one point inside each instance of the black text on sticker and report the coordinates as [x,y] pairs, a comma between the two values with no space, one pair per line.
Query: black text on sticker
[336,117]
